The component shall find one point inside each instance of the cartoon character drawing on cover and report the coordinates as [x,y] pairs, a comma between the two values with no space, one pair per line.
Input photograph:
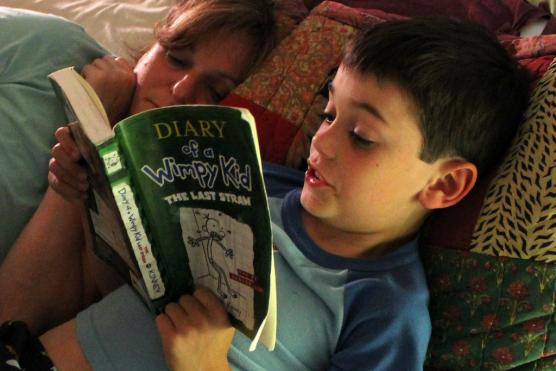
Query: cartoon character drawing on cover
[213,240]
[210,237]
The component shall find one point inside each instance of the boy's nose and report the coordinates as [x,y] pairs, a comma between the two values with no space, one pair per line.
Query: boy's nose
[325,141]
[185,89]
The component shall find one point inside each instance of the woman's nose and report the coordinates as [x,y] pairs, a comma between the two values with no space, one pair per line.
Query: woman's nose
[185,89]
[325,140]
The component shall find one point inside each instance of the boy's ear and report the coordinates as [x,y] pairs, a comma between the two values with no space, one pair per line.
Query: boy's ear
[456,178]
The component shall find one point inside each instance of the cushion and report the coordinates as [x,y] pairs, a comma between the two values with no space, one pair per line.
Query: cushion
[120,26]
[288,93]
[31,46]
[492,287]
[501,16]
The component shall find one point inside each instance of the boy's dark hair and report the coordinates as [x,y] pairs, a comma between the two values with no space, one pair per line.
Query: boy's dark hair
[469,93]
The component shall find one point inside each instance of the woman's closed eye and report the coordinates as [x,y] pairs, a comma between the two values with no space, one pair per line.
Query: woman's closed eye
[176,61]
[216,95]
[217,87]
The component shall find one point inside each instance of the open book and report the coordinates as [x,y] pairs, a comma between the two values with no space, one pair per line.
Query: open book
[177,201]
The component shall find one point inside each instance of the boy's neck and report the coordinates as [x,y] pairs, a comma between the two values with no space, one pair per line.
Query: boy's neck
[351,244]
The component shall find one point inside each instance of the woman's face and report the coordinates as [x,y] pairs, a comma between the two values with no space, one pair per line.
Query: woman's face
[203,73]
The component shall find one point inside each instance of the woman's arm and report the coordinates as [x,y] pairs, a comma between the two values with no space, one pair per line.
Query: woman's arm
[50,272]
[45,278]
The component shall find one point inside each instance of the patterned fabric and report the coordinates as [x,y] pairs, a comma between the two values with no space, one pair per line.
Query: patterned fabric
[501,16]
[288,93]
[19,350]
[518,218]
[530,47]
[490,312]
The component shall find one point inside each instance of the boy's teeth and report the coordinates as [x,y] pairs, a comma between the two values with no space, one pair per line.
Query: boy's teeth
[317,174]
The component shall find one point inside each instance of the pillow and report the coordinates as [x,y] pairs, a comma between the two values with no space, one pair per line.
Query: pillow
[31,46]
[120,26]
[288,93]
[124,27]
[501,16]
[492,287]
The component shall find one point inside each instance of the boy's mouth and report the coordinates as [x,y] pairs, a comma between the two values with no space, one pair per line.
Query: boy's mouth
[313,177]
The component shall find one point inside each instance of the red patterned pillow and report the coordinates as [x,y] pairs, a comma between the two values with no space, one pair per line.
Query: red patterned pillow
[284,95]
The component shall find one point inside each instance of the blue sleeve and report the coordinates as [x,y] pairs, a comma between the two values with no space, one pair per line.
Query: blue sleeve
[387,326]
[119,333]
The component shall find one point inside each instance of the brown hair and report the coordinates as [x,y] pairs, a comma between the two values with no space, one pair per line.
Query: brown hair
[190,20]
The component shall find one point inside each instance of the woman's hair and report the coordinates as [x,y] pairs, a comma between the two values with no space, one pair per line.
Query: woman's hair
[469,93]
[191,20]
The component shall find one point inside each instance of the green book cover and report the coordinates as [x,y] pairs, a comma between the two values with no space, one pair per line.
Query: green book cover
[179,201]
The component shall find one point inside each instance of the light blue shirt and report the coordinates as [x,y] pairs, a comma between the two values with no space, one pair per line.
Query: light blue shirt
[333,312]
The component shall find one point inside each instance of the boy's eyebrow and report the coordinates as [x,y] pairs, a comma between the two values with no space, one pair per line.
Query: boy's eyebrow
[371,110]
[362,105]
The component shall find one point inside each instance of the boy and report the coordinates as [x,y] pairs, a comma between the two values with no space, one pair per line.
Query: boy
[417,110]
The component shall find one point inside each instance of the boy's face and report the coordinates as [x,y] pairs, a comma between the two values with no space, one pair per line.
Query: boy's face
[364,175]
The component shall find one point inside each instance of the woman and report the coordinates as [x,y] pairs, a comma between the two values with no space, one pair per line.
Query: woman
[203,49]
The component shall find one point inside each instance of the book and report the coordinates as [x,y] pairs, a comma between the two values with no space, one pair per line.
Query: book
[177,200]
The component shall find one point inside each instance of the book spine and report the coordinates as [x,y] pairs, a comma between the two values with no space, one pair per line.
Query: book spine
[128,207]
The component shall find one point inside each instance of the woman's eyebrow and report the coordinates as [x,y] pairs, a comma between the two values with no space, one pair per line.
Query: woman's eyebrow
[225,76]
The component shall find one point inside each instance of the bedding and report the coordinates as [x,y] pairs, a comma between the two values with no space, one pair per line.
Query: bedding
[121,27]
[25,141]
[493,302]
[501,16]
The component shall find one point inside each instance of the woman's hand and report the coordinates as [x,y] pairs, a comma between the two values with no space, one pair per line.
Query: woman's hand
[196,332]
[114,81]
[65,175]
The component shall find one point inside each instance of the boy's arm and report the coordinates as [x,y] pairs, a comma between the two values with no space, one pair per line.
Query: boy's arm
[196,333]
[394,337]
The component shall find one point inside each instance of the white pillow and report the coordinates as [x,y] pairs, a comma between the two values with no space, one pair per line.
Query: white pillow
[119,26]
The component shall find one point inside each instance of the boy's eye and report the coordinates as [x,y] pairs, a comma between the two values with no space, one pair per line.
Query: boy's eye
[360,141]
[327,117]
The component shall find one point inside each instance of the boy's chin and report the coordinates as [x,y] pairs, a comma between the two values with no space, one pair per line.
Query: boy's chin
[312,205]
